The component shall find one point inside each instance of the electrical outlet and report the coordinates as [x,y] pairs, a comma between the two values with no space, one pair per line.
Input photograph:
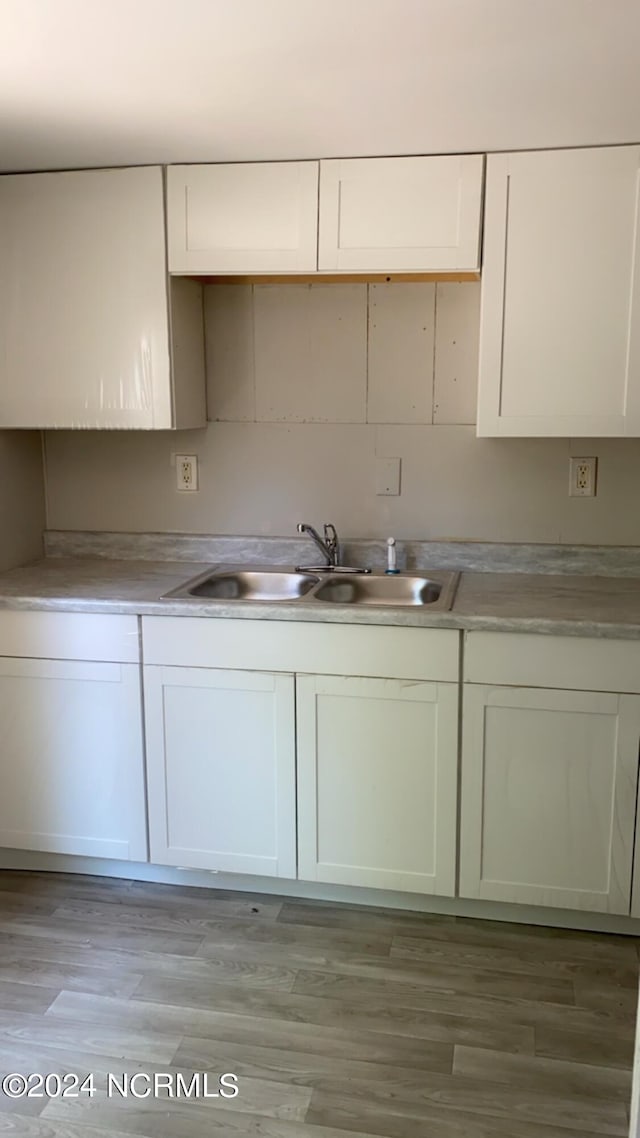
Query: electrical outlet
[582,477]
[186,472]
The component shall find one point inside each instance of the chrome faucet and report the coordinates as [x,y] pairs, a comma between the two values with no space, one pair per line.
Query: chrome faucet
[330,550]
[330,547]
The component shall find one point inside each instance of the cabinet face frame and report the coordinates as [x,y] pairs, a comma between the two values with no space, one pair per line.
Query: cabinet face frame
[492,422]
[477,700]
[281,861]
[441,813]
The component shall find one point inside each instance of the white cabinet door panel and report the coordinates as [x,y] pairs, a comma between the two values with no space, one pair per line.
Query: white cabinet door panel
[548,797]
[252,217]
[401,214]
[221,769]
[83,300]
[377,783]
[71,758]
[560,319]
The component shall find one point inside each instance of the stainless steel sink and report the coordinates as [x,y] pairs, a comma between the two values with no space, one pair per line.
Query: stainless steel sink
[264,583]
[249,585]
[403,589]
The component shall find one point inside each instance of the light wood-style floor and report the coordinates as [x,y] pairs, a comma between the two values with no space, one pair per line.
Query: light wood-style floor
[339,1022]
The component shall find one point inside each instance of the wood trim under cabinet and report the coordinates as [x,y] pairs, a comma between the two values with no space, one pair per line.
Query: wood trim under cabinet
[337,278]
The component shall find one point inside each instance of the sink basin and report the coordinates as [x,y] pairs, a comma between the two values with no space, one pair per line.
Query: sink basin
[249,585]
[405,589]
[264,583]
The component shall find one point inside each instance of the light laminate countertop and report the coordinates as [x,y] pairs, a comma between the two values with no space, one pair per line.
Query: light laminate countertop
[511,602]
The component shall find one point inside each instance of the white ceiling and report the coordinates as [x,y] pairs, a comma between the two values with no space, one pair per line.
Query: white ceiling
[112,82]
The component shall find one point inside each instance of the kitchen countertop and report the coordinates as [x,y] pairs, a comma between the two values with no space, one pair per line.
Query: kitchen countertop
[510,602]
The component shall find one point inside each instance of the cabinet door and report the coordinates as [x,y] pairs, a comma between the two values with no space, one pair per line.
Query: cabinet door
[253,217]
[548,797]
[83,300]
[221,769]
[560,320]
[71,758]
[377,782]
[401,214]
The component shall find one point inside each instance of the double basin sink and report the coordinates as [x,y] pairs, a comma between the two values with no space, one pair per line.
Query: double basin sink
[331,587]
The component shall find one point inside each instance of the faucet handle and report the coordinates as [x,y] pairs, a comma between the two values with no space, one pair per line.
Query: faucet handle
[332,543]
[330,535]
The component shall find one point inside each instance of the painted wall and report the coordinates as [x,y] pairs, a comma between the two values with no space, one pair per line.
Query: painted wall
[307,385]
[255,80]
[22,517]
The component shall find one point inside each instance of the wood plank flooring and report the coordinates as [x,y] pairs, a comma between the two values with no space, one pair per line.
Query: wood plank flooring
[339,1022]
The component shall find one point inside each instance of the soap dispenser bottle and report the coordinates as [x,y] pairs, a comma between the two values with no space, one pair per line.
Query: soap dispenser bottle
[392,561]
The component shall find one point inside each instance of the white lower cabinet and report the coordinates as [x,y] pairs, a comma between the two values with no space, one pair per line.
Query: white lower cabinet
[377,782]
[549,779]
[71,756]
[221,769]
[374,760]
[351,780]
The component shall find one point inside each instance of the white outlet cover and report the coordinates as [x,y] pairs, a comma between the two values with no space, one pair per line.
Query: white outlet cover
[582,487]
[388,476]
[190,460]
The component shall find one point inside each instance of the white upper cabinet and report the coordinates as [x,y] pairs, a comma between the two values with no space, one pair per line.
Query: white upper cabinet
[560,322]
[401,214]
[93,332]
[254,217]
[379,215]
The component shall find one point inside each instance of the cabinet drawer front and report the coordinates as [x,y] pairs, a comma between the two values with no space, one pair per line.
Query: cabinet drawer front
[552,661]
[406,214]
[70,636]
[289,646]
[254,217]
